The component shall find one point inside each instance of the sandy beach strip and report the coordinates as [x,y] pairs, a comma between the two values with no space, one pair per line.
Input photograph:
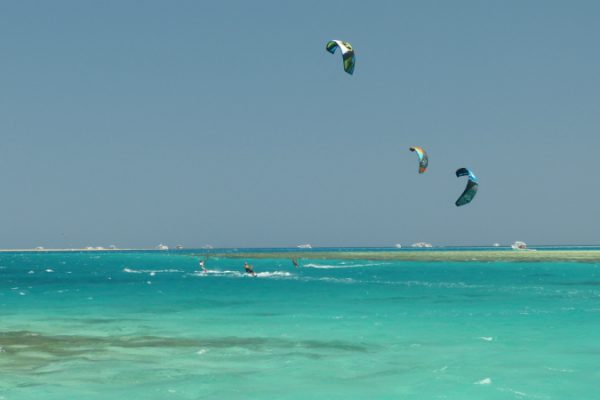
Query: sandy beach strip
[586,256]
[69,250]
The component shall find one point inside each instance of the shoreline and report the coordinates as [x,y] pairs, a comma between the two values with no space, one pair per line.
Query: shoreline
[420,255]
[584,256]
[70,250]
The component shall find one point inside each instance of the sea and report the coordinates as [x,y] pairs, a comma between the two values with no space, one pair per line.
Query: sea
[148,325]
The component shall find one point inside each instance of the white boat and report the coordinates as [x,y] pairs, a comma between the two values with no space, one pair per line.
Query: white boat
[518,245]
[179,247]
[421,244]
[162,247]
[304,246]
[496,244]
[398,246]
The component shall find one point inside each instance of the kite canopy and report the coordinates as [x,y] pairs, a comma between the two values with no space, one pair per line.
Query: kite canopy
[347,53]
[470,190]
[423,159]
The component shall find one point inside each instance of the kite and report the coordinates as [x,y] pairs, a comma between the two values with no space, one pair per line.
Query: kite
[423,159]
[470,190]
[347,53]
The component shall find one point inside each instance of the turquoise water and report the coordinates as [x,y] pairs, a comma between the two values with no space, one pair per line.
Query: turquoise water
[144,325]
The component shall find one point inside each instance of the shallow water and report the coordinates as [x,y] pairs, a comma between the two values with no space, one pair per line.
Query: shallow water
[146,325]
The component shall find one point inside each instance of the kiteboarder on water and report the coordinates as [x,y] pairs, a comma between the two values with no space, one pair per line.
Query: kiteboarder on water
[249,269]
[201,264]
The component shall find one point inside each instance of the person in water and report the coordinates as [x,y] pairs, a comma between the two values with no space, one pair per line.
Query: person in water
[249,269]
[295,262]
[201,264]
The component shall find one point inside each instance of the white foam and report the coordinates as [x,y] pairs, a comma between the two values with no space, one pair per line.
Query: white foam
[272,274]
[486,338]
[516,392]
[31,272]
[485,381]
[452,285]
[148,271]
[319,266]
[324,279]
[560,369]
[266,274]
[342,265]
[49,270]
[337,280]
[202,351]
[214,272]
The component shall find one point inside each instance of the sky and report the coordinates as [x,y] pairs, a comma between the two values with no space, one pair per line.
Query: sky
[227,123]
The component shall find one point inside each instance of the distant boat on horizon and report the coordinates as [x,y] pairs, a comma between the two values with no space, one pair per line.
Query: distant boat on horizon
[398,246]
[304,246]
[518,245]
[421,244]
[162,247]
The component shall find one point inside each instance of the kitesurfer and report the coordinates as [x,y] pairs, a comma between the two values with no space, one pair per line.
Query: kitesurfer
[295,262]
[249,269]
[201,264]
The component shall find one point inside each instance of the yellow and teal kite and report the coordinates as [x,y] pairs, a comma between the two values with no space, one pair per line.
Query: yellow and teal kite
[423,159]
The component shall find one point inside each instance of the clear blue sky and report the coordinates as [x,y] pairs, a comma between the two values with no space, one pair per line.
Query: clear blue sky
[139,122]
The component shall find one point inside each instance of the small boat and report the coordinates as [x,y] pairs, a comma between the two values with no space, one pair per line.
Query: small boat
[398,246]
[179,247]
[304,246]
[162,247]
[518,245]
[421,244]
